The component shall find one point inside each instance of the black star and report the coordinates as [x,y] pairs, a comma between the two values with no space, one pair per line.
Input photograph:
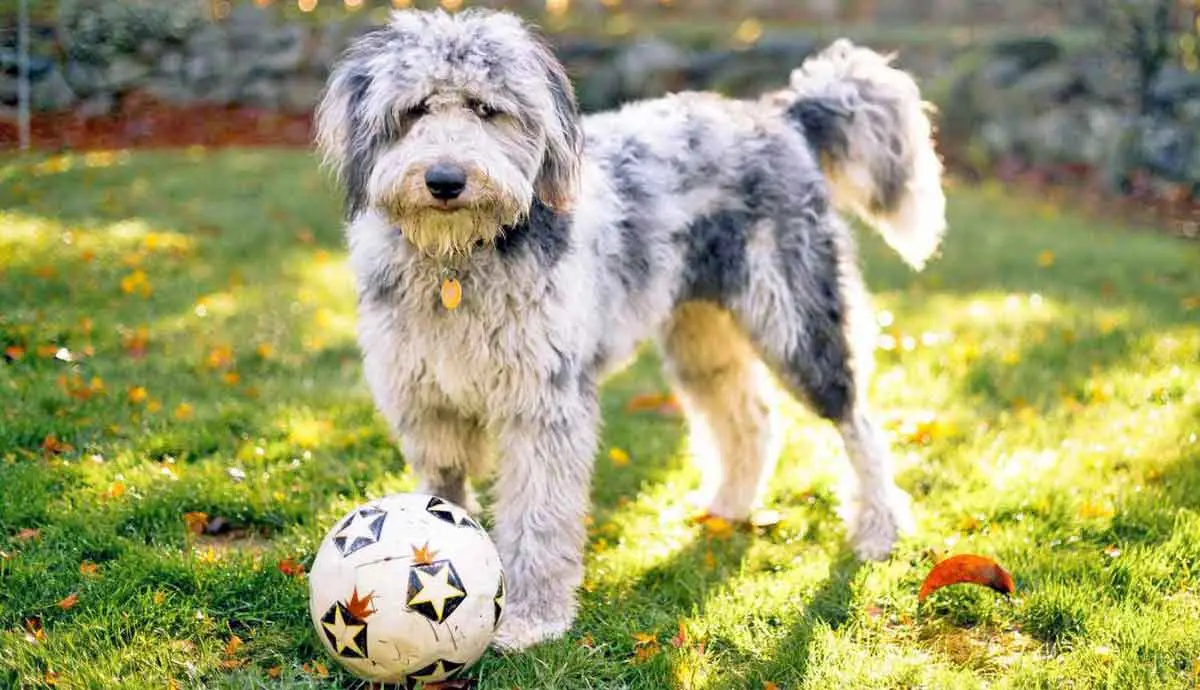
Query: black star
[347,633]
[437,671]
[435,590]
[362,528]
[448,512]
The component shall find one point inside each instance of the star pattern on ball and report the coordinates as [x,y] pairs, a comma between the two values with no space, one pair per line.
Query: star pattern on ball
[448,512]
[361,529]
[499,601]
[442,669]
[347,633]
[435,590]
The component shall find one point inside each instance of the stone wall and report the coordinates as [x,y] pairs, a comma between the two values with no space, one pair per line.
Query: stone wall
[1030,101]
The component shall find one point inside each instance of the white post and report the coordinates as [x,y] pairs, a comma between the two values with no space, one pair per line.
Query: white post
[23,74]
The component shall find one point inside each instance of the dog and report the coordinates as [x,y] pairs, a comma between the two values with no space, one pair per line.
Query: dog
[709,226]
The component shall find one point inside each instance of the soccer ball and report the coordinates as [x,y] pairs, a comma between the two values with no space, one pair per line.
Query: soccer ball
[406,588]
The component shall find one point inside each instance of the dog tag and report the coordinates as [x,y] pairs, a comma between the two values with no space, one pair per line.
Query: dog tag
[451,293]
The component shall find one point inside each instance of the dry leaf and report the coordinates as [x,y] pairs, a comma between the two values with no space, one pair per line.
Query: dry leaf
[230,664]
[715,526]
[137,395]
[423,555]
[184,412]
[290,567]
[87,568]
[360,608]
[587,642]
[619,457]
[52,446]
[69,601]
[233,645]
[646,652]
[52,677]
[33,631]
[274,671]
[29,533]
[316,668]
[968,569]
[14,353]
[768,685]
[116,490]
[681,637]
[196,522]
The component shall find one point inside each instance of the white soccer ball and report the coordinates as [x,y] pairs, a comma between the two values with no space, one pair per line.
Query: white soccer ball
[406,588]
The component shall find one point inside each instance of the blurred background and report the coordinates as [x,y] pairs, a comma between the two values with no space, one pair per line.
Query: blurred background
[1104,94]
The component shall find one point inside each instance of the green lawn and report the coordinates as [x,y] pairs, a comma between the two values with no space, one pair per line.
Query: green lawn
[1041,384]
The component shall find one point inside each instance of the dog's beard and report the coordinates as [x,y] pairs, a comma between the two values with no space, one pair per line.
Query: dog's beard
[445,233]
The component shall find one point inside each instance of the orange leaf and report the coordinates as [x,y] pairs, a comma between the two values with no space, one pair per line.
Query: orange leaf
[88,568]
[652,402]
[768,685]
[290,567]
[358,607]
[29,533]
[274,671]
[233,645]
[33,631]
[680,638]
[14,352]
[641,638]
[69,601]
[646,652]
[52,677]
[969,569]
[137,395]
[52,446]
[230,664]
[196,522]
[116,490]
[423,555]
[715,526]
[1046,259]
[184,412]
[587,642]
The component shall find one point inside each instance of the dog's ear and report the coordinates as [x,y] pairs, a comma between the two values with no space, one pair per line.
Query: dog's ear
[557,182]
[345,138]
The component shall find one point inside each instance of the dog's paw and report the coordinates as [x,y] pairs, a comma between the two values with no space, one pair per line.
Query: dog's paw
[876,526]
[518,633]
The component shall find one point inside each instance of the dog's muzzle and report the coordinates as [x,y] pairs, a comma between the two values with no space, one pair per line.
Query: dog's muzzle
[445,181]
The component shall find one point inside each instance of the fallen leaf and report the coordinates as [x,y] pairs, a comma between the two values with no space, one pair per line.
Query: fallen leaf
[29,533]
[230,664]
[768,685]
[116,490]
[219,357]
[587,642]
[642,638]
[231,378]
[359,607]
[661,403]
[88,569]
[1046,259]
[1090,510]
[290,567]
[645,652]
[715,526]
[68,601]
[33,631]
[423,555]
[196,522]
[970,569]
[14,353]
[316,669]
[274,671]
[619,457]
[681,637]
[52,446]
[232,646]
[184,412]
[136,343]
[159,598]
[137,395]
[136,282]
[52,677]
[264,350]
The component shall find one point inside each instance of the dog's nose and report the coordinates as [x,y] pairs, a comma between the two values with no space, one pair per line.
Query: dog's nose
[445,181]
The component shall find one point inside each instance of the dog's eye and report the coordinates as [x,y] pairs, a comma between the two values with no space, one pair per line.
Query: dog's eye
[483,110]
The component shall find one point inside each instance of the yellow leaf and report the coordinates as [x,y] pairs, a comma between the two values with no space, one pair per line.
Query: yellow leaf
[1046,259]
[184,412]
[587,642]
[619,457]
[137,395]
[87,568]
[232,646]
[768,685]
[52,677]
[153,406]
[219,357]
[641,638]
[265,350]
[716,526]
[1090,510]
[231,378]
[159,598]
[136,282]
[116,490]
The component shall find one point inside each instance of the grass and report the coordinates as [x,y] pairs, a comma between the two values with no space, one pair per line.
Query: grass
[1039,382]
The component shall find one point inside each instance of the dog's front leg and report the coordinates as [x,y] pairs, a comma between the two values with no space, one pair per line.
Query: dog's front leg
[541,500]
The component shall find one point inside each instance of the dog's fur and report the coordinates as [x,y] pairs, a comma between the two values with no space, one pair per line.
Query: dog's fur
[705,224]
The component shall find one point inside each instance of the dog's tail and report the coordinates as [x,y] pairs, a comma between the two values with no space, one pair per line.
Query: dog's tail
[868,124]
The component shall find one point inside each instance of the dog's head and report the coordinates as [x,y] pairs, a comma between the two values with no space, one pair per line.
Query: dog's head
[450,125]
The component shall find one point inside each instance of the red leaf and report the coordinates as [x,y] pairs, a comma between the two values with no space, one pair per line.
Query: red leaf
[967,569]
[290,567]
[359,608]
[680,638]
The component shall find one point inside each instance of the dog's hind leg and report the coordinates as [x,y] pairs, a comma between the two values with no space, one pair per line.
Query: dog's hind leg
[727,394]
[804,308]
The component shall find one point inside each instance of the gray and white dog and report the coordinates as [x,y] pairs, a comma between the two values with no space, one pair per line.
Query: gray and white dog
[705,224]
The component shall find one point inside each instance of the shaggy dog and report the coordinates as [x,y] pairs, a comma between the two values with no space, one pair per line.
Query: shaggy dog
[705,224]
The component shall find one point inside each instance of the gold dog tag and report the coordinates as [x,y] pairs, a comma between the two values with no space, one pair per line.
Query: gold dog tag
[451,293]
